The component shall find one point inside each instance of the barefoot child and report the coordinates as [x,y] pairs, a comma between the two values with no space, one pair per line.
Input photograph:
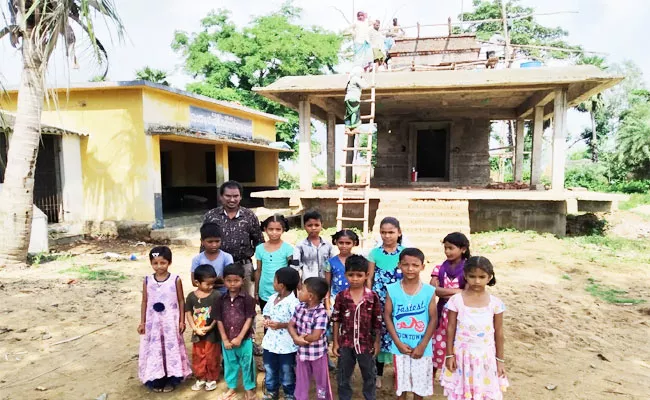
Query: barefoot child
[212,254]
[271,256]
[307,328]
[357,328]
[235,313]
[382,272]
[163,362]
[199,311]
[475,366]
[279,349]
[410,319]
[448,280]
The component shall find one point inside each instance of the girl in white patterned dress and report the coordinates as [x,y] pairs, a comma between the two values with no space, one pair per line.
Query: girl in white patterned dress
[474,364]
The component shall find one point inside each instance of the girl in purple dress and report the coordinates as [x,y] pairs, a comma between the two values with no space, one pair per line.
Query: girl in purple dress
[163,362]
[448,280]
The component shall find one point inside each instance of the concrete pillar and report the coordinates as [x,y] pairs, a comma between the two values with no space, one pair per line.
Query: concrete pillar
[536,156]
[519,151]
[559,139]
[72,179]
[304,146]
[221,161]
[331,150]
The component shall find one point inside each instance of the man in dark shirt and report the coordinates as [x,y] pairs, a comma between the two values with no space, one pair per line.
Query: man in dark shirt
[240,228]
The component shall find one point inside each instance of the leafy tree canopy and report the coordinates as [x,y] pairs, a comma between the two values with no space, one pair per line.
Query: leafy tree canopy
[152,75]
[524,31]
[633,141]
[230,60]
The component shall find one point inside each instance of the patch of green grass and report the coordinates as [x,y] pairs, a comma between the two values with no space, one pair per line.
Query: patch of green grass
[609,294]
[611,243]
[42,257]
[566,277]
[636,199]
[91,274]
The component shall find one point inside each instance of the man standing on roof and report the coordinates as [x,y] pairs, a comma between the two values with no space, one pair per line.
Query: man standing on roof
[360,31]
[377,42]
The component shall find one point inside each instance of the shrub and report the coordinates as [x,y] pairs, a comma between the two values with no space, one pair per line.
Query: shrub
[287,180]
[631,187]
[589,176]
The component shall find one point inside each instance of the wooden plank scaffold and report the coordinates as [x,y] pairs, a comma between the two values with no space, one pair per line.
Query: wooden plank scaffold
[358,193]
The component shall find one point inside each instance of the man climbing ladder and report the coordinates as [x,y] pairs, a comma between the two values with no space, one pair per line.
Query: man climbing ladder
[351,192]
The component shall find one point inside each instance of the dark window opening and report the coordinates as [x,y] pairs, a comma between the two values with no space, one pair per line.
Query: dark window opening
[3,155]
[166,168]
[241,165]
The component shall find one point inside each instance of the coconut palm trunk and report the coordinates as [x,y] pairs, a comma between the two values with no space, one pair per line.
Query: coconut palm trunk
[35,26]
[18,188]
[594,134]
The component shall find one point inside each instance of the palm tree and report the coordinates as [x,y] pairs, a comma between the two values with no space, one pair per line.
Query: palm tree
[593,105]
[36,27]
[152,75]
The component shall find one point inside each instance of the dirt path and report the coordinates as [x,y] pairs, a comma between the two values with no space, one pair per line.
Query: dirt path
[556,332]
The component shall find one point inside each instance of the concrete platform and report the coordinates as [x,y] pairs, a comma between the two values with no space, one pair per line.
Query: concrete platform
[488,209]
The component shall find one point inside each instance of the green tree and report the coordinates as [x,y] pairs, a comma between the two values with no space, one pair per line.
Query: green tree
[231,61]
[36,27]
[598,112]
[633,139]
[523,31]
[152,75]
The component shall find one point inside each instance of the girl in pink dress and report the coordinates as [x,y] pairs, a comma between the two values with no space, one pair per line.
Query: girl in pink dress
[474,364]
[163,362]
[448,280]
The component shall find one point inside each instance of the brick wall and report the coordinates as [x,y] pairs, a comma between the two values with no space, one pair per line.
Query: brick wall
[469,153]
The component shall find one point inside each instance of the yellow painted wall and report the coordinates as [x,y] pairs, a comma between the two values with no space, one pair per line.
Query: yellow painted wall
[172,109]
[187,162]
[266,169]
[115,158]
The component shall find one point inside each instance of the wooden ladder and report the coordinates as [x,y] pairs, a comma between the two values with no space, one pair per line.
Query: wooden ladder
[358,192]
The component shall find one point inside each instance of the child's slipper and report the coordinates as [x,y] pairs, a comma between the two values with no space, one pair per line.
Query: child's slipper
[157,390]
[168,388]
[210,386]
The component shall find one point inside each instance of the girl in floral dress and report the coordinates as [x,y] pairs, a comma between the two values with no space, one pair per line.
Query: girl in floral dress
[474,364]
[383,271]
[448,280]
[163,361]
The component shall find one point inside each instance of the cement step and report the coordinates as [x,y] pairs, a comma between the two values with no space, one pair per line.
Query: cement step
[422,212]
[175,232]
[186,241]
[433,204]
[425,220]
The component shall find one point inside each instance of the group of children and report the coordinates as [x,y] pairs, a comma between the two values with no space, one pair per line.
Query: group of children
[379,309]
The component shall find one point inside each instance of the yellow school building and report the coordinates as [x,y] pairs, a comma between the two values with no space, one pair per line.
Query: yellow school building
[140,151]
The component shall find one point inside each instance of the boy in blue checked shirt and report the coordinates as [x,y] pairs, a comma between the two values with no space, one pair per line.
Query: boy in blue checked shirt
[307,329]
[357,326]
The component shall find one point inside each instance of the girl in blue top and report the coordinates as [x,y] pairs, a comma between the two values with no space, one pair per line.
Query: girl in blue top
[382,271]
[411,317]
[271,256]
[345,240]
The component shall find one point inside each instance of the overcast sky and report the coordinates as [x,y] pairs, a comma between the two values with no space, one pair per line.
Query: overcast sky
[616,27]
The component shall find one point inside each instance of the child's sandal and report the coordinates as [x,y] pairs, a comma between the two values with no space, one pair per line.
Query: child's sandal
[229,395]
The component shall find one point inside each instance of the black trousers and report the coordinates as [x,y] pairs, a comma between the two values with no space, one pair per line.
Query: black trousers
[347,360]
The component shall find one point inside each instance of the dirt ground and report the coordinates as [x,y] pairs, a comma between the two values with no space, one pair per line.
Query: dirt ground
[559,336]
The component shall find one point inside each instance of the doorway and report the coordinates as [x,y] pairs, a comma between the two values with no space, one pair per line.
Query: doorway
[431,151]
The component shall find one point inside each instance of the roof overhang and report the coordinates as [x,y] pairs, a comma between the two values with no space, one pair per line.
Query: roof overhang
[492,93]
[142,84]
[8,120]
[188,135]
